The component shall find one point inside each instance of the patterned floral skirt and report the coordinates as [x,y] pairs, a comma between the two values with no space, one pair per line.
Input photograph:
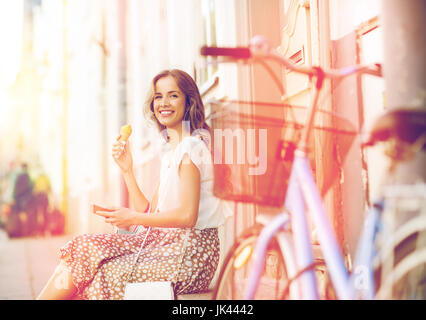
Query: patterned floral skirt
[100,263]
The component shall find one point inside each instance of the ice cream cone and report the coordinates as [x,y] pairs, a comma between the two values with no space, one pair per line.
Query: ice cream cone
[125,132]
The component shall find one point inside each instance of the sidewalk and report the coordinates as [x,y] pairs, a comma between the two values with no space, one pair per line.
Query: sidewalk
[26,264]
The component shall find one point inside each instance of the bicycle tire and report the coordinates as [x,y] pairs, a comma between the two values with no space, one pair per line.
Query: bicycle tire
[227,289]
[231,281]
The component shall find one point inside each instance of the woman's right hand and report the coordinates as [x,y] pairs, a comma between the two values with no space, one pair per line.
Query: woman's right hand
[122,155]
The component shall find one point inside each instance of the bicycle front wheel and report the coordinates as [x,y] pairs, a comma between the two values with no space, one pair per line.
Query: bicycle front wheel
[233,278]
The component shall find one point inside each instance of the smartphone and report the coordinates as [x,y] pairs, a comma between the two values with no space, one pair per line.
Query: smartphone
[99,208]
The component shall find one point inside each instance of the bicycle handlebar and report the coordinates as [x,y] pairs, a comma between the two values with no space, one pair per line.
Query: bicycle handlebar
[236,53]
[245,53]
[259,49]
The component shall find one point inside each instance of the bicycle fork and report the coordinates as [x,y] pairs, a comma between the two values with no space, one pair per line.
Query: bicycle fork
[304,257]
[302,190]
[260,252]
[326,236]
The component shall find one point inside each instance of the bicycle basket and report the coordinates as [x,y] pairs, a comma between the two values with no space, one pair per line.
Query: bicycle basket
[253,146]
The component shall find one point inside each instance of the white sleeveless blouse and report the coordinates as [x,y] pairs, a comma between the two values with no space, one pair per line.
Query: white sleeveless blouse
[212,211]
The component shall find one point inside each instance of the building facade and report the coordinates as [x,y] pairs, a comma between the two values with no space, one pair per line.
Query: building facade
[97,59]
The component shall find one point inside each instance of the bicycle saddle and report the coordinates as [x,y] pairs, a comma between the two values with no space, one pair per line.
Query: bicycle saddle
[404,124]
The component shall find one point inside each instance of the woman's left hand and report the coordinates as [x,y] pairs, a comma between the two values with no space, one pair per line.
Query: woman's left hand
[119,216]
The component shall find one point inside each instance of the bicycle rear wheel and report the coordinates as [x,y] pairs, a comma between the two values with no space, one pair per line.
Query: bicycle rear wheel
[401,260]
[407,278]
[232,281]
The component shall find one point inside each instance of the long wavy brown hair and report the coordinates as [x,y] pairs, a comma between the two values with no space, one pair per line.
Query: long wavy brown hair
[194,107]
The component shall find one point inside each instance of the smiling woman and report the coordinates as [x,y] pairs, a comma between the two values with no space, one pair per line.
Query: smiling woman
[175,88]
[183,210]
[169,103]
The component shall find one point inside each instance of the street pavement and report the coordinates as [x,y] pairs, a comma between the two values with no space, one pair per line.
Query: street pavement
[26,264]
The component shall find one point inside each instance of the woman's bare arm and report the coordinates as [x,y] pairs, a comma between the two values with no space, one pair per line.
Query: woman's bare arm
[122,156]
[185,216]
[136,196]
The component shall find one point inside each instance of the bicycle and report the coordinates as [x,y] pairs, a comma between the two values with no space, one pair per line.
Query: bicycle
[285,239]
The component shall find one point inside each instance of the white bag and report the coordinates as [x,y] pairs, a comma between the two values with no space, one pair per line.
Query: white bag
[153,290]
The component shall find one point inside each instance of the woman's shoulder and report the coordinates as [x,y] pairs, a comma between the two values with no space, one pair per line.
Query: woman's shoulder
[196,148]
[194,141]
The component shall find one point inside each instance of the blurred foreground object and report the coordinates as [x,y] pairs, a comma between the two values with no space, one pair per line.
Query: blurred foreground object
[404,65]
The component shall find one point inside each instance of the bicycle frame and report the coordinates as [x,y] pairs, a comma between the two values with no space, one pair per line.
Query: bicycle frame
[302,190]
[295,202]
